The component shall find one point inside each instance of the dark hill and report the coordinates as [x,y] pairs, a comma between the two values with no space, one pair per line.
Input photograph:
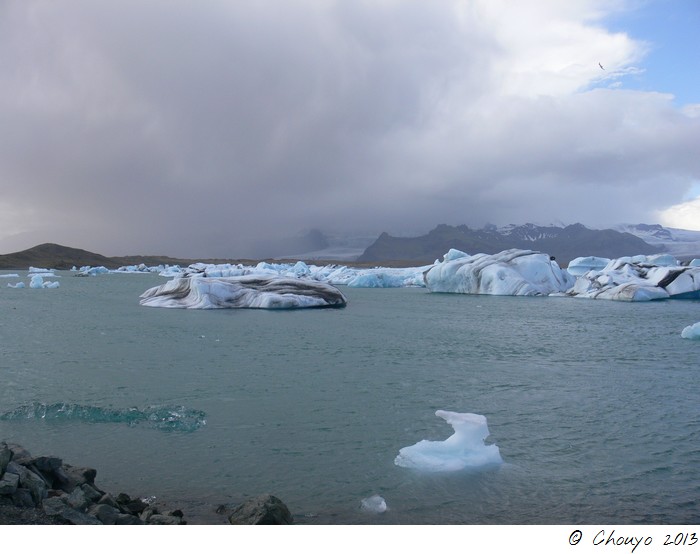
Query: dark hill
[55,256]
[52,256]
[564,243]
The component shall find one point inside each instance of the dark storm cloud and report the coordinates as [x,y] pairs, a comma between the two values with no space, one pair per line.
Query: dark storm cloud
[196,129]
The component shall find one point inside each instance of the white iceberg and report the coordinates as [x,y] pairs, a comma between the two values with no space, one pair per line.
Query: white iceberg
[691,331]
[511,272]
[382,277]
[243,292]
[579,266]
[374,504]
[639,278]
[463,450]
[37,282]
[9,276]
[19,285]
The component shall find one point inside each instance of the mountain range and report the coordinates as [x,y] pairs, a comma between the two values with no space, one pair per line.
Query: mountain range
[563,242]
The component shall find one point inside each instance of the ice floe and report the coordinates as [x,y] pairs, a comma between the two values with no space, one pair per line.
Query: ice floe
[465,449]
[691,331]
[374,504]
[243,292]
[511,273]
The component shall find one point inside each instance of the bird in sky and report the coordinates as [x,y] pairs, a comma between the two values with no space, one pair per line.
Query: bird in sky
[601,66]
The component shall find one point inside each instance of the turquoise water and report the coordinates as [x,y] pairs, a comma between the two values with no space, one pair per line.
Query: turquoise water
[594,405]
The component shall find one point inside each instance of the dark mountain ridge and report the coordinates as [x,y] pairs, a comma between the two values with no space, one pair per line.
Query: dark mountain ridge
[564,243]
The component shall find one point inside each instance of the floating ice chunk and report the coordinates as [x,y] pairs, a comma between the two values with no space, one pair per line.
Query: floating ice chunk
[19,285]
[694,262]
[37,282]
[691,331]
[243,292]
[9,275]
[464,449]
[511,272]
[579,266]
[640,278]
[389,277]
[92,271]
[375,504]
[40,270]
[454,254]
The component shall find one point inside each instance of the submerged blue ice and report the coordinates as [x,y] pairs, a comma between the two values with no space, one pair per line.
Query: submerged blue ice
[465,449]
[165,418]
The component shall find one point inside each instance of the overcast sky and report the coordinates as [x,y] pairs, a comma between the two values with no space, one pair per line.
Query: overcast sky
[192,128]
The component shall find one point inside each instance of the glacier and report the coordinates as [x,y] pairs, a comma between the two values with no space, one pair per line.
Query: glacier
[691,331]
[243,292]
[465,449]
[511,273]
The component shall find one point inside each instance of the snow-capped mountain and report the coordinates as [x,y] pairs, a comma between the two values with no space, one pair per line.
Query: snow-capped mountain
[682,243]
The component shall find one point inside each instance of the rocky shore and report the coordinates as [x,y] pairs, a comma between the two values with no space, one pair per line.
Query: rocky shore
[43,490]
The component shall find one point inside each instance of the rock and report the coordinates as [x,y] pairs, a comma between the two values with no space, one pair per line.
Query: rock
[91,493]
[29,481]
[109,500]
[132,506]
[44,490]
[78,500]
[47,464]
[5,457]
[128,519]
[261,510]
[162,519]
[19,454]
[108,515]
[57,506]
[69,476]
[23,498]
[9,484]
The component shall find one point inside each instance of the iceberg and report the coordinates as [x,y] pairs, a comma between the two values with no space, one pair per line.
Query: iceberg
[92,271]
[692,331]
[37,282]
[381,277]
[19,285]
[639,278]
[579,266]
[374,504]
[465,449]
[9,276]
[511,272]
[243,292]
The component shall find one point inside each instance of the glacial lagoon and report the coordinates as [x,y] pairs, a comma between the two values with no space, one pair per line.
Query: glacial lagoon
[593,405]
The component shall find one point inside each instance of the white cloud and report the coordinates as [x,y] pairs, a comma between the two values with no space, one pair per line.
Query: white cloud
[685,215]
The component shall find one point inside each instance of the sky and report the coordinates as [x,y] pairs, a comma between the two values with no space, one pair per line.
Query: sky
[201,129]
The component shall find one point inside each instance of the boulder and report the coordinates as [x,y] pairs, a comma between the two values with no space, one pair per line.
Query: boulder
[5,457]
[9,484]
[261,510]
[57,506]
